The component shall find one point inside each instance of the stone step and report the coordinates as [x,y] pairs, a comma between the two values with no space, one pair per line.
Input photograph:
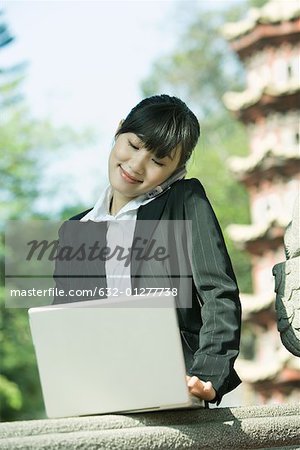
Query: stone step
[257,427]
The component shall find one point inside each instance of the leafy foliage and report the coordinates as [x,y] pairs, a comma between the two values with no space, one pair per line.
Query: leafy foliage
[24,144]
[257,3]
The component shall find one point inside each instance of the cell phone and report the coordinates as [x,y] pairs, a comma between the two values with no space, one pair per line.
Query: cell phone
[177,175]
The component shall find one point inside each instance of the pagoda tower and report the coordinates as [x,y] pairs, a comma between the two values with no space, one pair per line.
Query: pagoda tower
[267,42]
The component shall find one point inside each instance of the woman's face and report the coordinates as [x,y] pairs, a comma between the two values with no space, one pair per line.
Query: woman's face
[133,170]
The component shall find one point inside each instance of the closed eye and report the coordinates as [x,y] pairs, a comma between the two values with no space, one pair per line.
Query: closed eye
[156,162]
[133,146]
[137,148]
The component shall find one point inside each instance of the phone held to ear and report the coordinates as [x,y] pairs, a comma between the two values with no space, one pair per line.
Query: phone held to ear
[177,175]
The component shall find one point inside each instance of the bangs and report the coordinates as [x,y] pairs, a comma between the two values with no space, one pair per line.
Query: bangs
[160,133]
[165,125]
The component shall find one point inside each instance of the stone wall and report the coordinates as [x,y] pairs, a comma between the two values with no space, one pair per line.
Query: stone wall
[257,427]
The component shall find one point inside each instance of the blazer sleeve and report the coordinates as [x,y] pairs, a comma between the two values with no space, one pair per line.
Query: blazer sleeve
[218,293]
[61,271]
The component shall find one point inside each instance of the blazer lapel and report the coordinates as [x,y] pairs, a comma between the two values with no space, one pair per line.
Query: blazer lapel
[148,217]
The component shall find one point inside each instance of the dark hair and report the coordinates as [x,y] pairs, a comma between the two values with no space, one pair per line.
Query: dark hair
[162,123]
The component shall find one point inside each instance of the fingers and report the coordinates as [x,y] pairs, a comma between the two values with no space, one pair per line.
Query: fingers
[201,389]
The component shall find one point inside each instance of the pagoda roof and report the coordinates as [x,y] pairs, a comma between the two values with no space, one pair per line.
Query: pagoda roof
[244,234]
[263,160]
[272,12]
[236,101]
[252,303]
[258,371]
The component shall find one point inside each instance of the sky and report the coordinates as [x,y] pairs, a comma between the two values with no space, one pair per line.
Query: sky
[86,60]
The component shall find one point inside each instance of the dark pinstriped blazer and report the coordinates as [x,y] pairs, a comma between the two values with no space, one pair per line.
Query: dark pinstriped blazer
[210,328]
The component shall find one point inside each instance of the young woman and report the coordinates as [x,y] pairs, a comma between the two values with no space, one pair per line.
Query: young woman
[146,183]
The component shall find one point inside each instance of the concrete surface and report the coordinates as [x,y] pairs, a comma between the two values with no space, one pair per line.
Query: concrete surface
[256,427]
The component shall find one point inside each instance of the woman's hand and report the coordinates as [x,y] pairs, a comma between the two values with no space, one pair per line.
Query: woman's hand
[201,389]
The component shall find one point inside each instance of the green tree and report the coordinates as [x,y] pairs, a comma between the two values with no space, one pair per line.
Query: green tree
[257,3]
[23,143]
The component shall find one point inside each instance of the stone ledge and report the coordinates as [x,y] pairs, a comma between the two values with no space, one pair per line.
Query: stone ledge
[257,427]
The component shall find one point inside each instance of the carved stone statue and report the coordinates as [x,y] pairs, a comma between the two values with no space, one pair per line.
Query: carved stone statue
[287,286]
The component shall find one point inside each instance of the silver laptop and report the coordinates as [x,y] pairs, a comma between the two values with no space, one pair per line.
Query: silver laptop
[110,356]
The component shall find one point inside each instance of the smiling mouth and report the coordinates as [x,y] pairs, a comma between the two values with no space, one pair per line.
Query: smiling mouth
[128,177]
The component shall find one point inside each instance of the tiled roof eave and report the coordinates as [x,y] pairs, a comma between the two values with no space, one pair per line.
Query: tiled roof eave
[257,371]
[244,234]
[273,157]
[237,101]
[274,11]
[252,304]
